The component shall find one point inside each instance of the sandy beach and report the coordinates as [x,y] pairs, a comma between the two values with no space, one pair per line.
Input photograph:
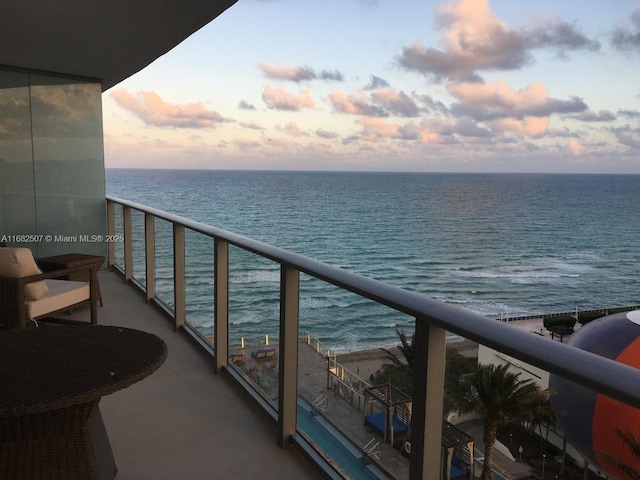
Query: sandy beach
[366,362]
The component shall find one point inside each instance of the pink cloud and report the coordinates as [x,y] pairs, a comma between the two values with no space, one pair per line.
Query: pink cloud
[279,99]
[489,101]
[298,74]
[379,103]
[475,39]
[154,111]
[375,129]
[287,72]
[575,147]
[531,126]
[293,129]
[355,104]
[396,102]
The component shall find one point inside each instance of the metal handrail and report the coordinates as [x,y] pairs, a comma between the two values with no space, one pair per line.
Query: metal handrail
[618,381]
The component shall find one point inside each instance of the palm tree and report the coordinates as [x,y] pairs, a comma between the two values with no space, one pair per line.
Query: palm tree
[398,369]
[498,397]
[630,439]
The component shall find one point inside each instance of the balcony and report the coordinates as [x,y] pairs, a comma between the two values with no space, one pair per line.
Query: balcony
[184,421]
[195,413]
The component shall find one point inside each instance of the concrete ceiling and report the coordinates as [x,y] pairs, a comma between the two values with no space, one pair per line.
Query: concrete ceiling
[106,40]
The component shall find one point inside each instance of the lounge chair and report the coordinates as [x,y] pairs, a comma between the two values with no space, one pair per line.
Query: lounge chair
[28,295]
[263,353]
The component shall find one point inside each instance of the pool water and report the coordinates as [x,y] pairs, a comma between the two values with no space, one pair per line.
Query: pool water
[336,445]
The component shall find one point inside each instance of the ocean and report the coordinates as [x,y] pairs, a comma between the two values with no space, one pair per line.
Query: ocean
[496,244]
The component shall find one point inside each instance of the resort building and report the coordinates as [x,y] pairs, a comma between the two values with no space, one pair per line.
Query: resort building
[200,415]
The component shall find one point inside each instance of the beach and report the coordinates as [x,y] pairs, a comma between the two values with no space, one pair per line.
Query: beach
[366,362]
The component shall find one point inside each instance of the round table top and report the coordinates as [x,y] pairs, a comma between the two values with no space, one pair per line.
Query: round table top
[51,367]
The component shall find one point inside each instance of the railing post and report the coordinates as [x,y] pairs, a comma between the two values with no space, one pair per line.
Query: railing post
[150,255]
[288,361]
[429,347]
[221,302]
[111,231]
[128,244]
[179,293]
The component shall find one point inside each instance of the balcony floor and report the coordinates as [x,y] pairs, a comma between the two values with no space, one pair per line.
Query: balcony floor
[184,421]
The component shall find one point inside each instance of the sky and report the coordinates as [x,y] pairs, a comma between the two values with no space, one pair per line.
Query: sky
[390,85]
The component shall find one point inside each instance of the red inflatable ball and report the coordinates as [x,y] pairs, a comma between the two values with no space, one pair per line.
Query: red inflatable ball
[593,423]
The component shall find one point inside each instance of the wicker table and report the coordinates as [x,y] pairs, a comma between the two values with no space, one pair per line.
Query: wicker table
[51,380]
[70,260]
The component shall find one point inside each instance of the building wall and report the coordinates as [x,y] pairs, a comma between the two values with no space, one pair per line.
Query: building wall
[52,181]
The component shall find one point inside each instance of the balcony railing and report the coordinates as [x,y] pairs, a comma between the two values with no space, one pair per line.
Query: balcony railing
[432,321]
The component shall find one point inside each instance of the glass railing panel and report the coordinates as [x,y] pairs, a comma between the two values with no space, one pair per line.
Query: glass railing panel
[119,233]
[199,277]
[138,247]
[254,317]
[164,262]
[336,368]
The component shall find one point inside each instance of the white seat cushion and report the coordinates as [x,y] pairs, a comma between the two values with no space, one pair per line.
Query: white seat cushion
[61,294]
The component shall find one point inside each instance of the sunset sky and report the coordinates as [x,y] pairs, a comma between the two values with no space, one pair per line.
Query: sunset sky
[390,85]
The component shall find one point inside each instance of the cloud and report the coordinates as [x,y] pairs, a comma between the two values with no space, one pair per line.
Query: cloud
[355,104]
[380,103]
[376,82]
[475,39]
[247,144]
[279,99]
[350,139]
[628,136]
[575,147]
[245,105]
[629,113]
[531,126]
[591,116]
[334,75]
[466,127]
[154,111]
[398,103]
[298,74]
[432,105]
[250,125]
[560,35]
[325,134]
[293,129]
[627,37]
[376,129]
[490,101]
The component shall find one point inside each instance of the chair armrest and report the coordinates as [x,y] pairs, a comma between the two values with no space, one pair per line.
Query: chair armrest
[59,273]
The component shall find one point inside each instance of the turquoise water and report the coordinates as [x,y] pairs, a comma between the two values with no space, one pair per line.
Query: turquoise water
[504,244]
[344,452]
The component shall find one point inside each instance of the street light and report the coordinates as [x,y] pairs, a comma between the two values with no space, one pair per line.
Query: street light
[544,457]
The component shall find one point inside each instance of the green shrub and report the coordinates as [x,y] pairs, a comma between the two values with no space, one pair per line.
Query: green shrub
[586,317]
[622,309]
[557,320]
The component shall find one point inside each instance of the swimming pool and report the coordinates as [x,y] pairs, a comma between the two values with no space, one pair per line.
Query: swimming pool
[336,445]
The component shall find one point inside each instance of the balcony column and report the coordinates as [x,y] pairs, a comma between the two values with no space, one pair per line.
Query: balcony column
[128,243]
[221,302]
[429,346]
[179,292]
[150,255]
[288,361]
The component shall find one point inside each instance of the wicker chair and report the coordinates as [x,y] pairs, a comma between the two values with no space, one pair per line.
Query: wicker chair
[27,295]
